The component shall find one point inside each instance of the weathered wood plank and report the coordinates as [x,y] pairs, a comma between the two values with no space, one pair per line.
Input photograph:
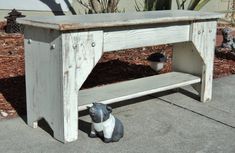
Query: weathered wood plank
[81,52]
[197,57]
[134,88]
[203,35]
[123,38]
[116,19]
[186,59]
[43,78]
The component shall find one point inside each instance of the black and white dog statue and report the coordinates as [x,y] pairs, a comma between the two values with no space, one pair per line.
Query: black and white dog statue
[228,39]
[104,124]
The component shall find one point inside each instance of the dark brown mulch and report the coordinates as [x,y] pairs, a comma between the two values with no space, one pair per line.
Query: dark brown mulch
[126,65]
[113,67]
[224,63]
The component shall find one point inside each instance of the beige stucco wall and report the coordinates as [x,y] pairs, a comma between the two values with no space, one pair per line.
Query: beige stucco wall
[124,5]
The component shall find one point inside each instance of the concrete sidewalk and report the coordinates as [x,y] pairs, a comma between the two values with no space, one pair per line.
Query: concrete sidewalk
[160,123]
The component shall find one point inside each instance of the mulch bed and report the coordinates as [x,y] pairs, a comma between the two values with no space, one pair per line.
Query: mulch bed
[113,67]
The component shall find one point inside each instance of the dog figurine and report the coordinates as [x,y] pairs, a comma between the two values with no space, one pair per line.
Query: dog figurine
[104,124]
[228,39]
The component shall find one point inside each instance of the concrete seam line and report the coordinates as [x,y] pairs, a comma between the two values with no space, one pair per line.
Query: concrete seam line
[208,117]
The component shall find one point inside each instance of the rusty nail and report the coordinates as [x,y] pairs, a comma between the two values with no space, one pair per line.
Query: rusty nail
[93,44]
[29,41]
[199,32]
[53,46]
[74,46]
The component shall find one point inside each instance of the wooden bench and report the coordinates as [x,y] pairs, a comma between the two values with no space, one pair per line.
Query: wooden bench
[61,51]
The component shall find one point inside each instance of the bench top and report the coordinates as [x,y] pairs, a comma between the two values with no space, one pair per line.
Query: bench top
[88,21]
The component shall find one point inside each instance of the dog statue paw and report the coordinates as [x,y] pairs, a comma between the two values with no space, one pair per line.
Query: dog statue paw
[104,124]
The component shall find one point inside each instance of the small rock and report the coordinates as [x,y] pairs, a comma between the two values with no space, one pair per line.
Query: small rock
[11,75]
[3,114]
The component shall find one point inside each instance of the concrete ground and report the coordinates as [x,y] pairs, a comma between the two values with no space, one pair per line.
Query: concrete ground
[173,122]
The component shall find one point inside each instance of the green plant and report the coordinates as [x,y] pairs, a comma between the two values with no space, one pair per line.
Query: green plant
[100,6]
[180,5]
[151,5]
[193,4]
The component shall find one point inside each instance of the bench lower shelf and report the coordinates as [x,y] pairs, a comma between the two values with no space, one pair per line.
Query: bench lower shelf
[135,88]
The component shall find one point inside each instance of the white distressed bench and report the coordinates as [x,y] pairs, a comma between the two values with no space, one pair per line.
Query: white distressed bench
[60,53]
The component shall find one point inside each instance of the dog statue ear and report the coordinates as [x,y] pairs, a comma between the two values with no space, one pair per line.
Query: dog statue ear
[109,108]
[89,106]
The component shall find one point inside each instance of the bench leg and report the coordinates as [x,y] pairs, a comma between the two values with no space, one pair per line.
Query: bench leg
[56,67]
[32,122]
[197,57]
[81,51]
[47,96]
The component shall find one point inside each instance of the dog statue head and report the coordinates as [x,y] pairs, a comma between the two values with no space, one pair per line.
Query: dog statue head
[99,112]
